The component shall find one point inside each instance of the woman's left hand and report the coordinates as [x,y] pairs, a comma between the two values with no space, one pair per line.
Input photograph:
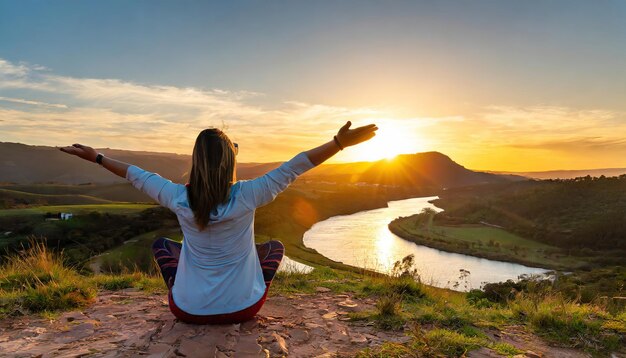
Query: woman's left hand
[81,151]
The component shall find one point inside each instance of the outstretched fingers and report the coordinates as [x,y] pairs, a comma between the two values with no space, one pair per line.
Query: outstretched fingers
[366,129]
[345,127]
[73,149]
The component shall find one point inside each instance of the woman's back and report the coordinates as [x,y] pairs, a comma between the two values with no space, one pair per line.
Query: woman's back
[216,275]
[219,270]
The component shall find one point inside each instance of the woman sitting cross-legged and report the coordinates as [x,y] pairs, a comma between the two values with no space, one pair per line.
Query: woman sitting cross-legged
[218,275]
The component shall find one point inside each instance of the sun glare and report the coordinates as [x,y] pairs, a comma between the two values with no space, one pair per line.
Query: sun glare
[390,140]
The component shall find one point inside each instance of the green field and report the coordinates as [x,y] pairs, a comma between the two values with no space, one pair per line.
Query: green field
[483,241]
[11,198]
[117,208]
[132,254]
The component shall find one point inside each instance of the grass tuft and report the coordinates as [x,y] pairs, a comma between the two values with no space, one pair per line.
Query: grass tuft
[505,349]
[572,324]
[36,280]
[451,343]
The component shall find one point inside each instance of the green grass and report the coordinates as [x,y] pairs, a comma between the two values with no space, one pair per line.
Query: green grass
[118,208]
[505,349]
[451,343]
[135,254]
[9,196]
[442,322]
[483,241]
[589,327]
[38,281]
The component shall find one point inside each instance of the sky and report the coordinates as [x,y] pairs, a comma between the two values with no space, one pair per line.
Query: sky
[496,85]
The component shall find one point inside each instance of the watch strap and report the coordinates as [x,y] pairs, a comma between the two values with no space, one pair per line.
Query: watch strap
[337,142]
[99,158]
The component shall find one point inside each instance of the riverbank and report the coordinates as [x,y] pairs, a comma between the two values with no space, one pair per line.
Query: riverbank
[303,204]
[485,242]
[287,218]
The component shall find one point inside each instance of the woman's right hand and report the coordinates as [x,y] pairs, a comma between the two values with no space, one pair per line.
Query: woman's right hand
[81,151]
[348,137]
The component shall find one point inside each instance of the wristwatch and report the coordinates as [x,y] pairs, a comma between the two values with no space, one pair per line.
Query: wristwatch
[99,158]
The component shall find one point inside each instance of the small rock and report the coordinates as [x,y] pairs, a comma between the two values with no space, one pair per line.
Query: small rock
[330,315]
[249,325]
[280,343]
[357,338]
[248,345]
[322,289]
[299,335]
[347,304]
[531,354]
[73,316]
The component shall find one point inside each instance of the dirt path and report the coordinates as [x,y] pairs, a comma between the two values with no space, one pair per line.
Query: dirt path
[131,324]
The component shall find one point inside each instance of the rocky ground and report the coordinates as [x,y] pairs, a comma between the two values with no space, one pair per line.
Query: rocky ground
[132,323]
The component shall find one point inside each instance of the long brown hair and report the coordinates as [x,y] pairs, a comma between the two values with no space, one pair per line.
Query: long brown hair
[212,174]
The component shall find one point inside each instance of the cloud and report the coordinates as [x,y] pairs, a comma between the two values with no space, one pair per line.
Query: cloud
[157,117]
[34,103]
[38,106]
[9,69]
[577,144]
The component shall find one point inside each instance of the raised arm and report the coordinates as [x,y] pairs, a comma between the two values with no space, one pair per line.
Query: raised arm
[82,151]
[346,137]
[264,189]
[158,188]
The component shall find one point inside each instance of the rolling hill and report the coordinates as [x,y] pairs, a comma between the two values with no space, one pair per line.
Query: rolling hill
[569,174]
[24,164]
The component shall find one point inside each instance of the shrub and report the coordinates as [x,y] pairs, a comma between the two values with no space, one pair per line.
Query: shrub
[559,320]
[450,343]
[36,280]
[506,349]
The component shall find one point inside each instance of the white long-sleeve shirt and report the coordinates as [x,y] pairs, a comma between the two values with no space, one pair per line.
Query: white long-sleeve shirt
[219,270]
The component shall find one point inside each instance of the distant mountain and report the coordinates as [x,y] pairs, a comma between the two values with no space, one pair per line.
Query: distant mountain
[426,169]
[24,164]
[569,174]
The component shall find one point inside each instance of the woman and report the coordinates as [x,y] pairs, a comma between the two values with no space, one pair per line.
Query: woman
[217,275]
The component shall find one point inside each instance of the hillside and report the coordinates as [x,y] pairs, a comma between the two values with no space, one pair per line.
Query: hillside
[574,214]
[426,169]
[567,174]
[19,195]
[24,164]
[14,199]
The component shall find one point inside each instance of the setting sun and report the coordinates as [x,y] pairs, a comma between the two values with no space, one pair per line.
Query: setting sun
[392,138]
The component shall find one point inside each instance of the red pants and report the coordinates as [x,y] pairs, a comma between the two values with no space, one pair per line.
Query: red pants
[166,254]
[224,318]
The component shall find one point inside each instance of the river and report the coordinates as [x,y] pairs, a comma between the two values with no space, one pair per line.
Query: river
[364,240]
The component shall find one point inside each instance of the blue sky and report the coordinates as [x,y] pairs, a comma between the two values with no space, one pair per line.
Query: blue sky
[438,69]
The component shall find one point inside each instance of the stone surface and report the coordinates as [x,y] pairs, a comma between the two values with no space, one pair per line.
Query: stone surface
[131,323]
